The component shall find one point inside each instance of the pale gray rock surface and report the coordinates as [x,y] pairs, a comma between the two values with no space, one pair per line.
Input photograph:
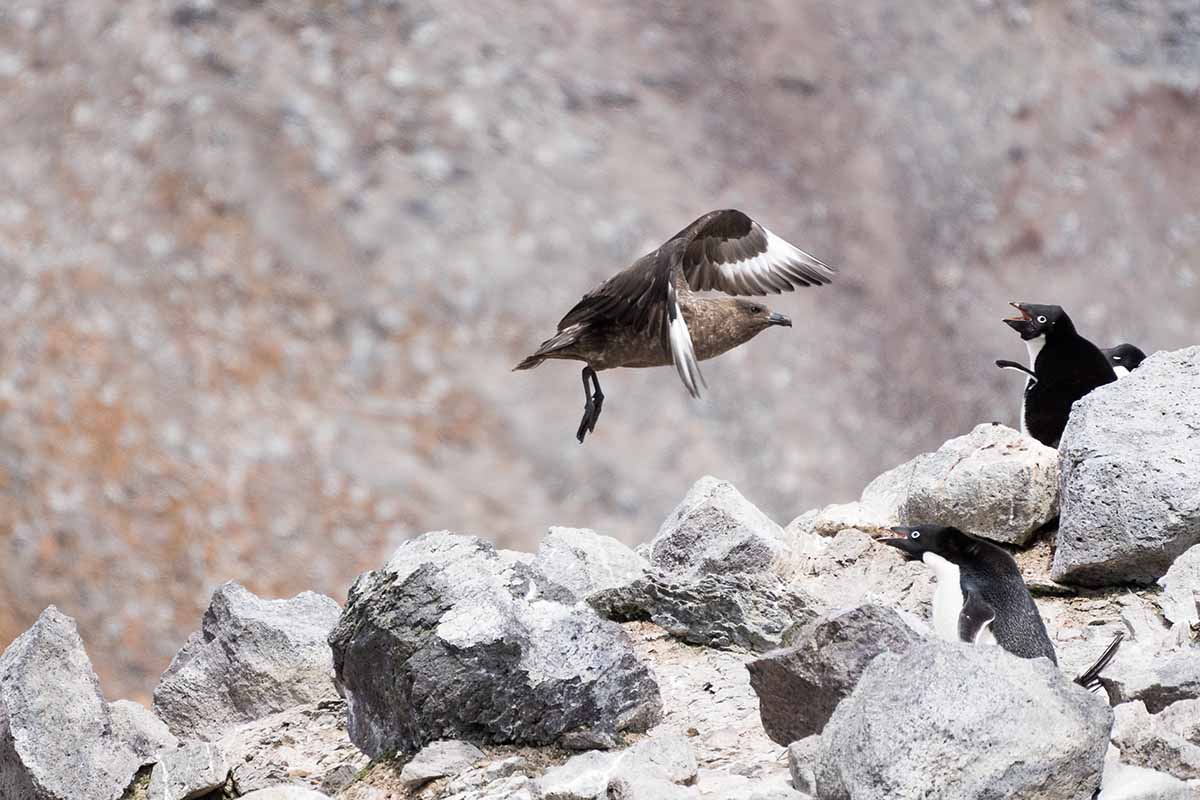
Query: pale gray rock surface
[1180,599]
[951,720]
[1158,674]
[1130,782]
[799,687]
[802,758]
[993,481]
[253,657]
[1130,456]
[56,734]
[585,561]
[439,759]
[484,649]
[717,530]
[852,569]
[285,793]
[138,727]
[306,746]
[752,611]
[188,772]
[1168,741]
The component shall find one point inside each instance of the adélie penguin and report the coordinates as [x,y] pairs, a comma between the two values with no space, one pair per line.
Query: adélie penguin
[648,315]
[1063,367]
[981,597]
[1124,358]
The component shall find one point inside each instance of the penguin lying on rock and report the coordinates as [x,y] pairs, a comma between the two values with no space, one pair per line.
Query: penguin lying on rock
[981,596]
[1124,358]
[1063,367]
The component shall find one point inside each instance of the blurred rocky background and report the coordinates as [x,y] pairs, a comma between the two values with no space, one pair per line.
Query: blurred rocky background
[266,264]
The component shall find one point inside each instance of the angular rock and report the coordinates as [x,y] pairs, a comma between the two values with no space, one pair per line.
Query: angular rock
[307,746]
[798,687]
[439,760]
[1130,456]
[716,530]
[666,757]
[853,569]
[715,784]
[450,641]
[1180,599]
[56,736]
[993,481]
[1168,741]
[190,771]
[285,793]
[251,658]
[584,561]
[945,719]
[1158,676]
[802,758]
[137,726]
[750,611]
[649,788]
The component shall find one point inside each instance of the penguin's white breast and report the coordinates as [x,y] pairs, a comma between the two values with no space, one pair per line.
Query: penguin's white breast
[947,597]
[1033,346]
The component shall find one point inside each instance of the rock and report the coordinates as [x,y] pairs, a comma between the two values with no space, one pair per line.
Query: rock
[822,667]
[857,515]
[190,771]
[945,719]
[719,785]
[1180,599]
[251,658]
[853,570]
[650,788]
[802,756]
[138,727]
[306,745]
[1130,456]
[1168,741]
[56,735]
[750,611]
[1158,676]
[285,793]
[450,641]
[584,561]
[438,760]
[716,530]
[665,757]
[505,779]
[1128,782]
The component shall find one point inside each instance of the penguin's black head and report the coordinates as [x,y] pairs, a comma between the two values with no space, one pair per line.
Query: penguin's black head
[1125,355]
[949,543]
[1038,320]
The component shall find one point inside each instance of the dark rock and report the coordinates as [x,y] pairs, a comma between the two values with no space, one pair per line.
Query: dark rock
[451,641]
[800,686]
[750,611]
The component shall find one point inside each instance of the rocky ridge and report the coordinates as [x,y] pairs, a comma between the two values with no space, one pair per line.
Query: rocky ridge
[730,659]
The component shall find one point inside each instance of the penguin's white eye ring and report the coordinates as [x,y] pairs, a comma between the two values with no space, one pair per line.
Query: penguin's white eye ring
[915,535]
[1042,320]
[1116,358]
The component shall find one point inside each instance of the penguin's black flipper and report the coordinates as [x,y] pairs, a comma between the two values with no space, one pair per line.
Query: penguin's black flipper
[1003,363]
[1090,678]
[975,616]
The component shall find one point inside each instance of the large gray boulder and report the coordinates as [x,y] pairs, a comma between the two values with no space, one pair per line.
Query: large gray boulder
[716,530]
[1180,600]
[993,481]
[252,658]
[750,611]
[945,719]
[451,641]
[585,561]
[853,569]
[1158,673]
[138,727]
[56,731]
[798,687]
[1130,456]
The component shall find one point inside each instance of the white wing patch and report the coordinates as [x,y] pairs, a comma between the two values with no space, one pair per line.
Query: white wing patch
[682,352]
[1121,371]
[757,275]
